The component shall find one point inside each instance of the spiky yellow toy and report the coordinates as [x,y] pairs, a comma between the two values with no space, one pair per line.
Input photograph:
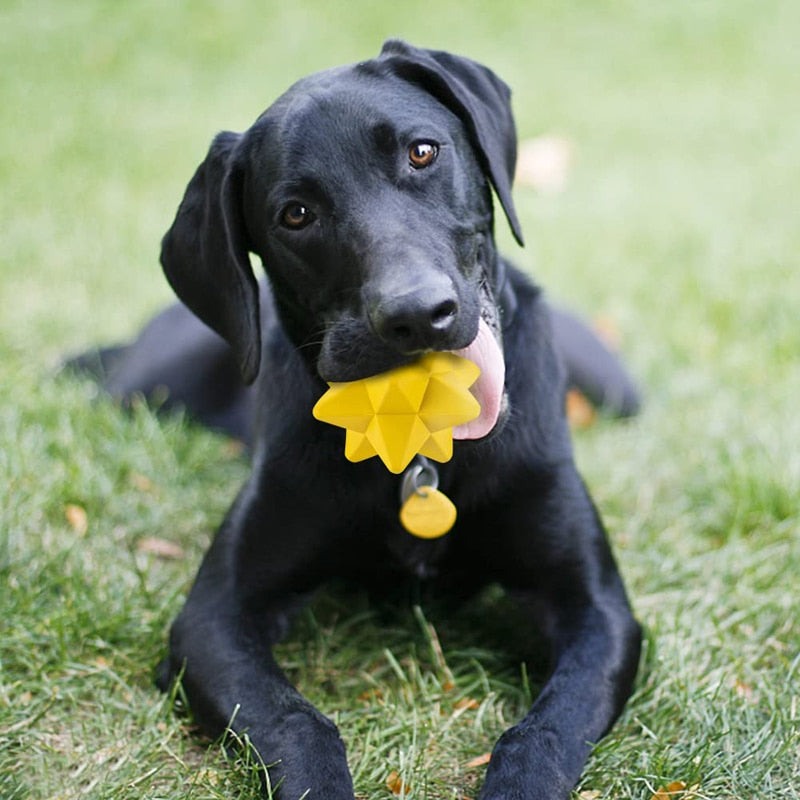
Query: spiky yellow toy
[407,411]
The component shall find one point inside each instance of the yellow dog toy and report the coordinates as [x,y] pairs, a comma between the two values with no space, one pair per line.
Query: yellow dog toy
[403,413]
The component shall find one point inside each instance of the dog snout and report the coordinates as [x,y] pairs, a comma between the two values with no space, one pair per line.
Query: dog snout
[424,319]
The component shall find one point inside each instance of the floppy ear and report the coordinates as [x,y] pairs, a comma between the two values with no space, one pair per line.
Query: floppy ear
[205,255]
[478,97]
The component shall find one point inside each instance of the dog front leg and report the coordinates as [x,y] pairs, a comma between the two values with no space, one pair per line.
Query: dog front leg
[255,575]
[579,600]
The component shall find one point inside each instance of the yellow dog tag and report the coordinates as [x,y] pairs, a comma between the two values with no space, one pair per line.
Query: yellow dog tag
[424,510]
[428,513]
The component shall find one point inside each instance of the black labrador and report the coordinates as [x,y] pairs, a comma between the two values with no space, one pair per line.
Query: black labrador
[366,192]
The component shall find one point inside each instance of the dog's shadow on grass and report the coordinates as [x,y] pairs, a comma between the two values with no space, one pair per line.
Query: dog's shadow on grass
[347,635]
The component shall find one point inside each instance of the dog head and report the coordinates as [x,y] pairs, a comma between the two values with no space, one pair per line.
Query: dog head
[365,191]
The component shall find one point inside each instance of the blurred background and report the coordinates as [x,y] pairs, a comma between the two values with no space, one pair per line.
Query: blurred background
[680,124]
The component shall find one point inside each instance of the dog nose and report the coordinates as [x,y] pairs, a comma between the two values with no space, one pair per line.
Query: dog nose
[422,320]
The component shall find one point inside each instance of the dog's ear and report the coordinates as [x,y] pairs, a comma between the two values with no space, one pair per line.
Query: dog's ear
[481,101]
[205,255]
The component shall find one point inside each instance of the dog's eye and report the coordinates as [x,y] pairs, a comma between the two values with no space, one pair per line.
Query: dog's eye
[297,216]
[422,154]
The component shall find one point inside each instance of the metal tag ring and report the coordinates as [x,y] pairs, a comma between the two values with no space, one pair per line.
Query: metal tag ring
[420,474]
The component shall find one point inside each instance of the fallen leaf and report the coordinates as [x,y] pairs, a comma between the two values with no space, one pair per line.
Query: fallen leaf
[676,789]
[744,690]
[141,482]
[394,783]
[544,163]
[77,518]
[466,702]
[160,548]
[233,448]
[479,761]
[580,412]
[608,331]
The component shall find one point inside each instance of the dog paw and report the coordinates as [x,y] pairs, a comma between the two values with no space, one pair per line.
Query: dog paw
[527,764]
[303,757]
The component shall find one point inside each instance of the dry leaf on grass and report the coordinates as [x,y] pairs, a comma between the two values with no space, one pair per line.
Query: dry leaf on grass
[745,691]
[141,482]
[580,412]
[371,695]
[394,783]
[676,790]
[544,163]
[160,548]
[77,518]
[233,448]
[466,703]
[479,761]
[608,331]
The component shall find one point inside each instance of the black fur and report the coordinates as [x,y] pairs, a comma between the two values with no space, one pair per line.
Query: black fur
[392,261]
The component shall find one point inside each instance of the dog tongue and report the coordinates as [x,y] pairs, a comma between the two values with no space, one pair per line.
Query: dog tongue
[488,389]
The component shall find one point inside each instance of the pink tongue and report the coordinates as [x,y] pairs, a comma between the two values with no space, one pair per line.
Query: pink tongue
[488,389]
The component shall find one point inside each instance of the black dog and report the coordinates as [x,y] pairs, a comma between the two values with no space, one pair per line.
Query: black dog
[366,193]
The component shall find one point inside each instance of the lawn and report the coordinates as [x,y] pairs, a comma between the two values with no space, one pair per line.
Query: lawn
[678,221]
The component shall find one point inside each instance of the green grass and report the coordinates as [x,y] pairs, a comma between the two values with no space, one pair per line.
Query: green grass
[679,221]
